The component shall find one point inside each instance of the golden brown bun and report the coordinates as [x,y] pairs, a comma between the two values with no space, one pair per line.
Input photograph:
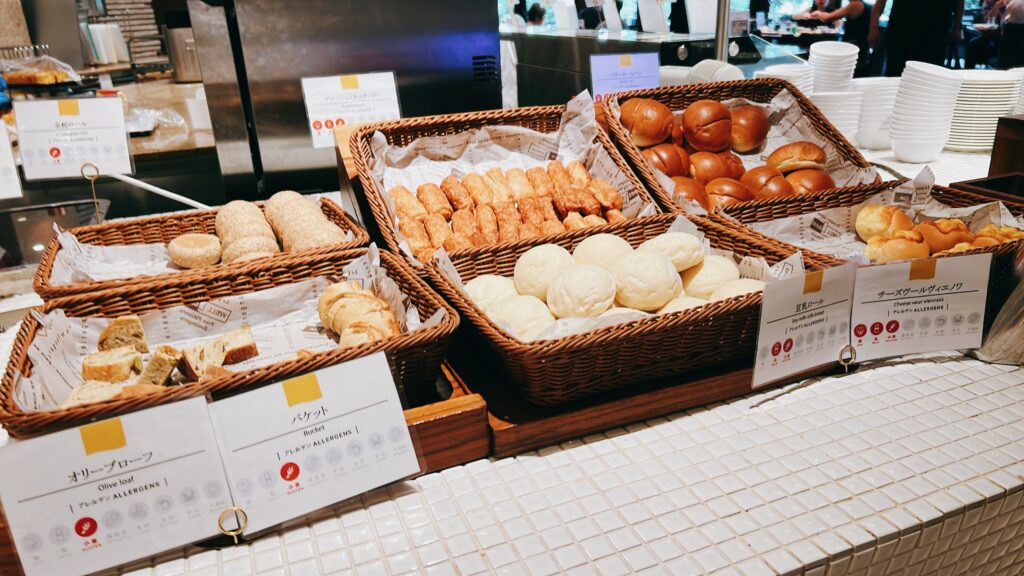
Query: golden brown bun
[706,166]
[901,245]
[944,233]
[766,182]
[734,164]
[749,129]
[877,220]
[985,242]
[649,122]
[1001,234]
[677,131]
[707,125]
[726,192]
[810,180]
[798,156]
[691,190]
[668,159]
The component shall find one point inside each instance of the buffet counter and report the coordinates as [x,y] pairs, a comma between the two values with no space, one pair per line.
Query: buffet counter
[167,140]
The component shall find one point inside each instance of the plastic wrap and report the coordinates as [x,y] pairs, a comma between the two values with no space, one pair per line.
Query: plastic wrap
[38,70]
[1004,343]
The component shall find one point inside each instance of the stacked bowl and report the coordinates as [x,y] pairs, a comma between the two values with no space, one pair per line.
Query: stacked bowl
[923,111]
[879,96]
[833,64]
[1019,108]
[714,71]
[984,96]
[800,75]
[841,108]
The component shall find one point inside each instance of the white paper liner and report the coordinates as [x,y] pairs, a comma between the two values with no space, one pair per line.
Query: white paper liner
[787,123]
[832,231]
[750,267]
[283,319]
[433,158]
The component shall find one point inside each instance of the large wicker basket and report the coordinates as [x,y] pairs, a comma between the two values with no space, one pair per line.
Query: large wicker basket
[677,98]
[1001,278]
[402,132]
[552,372]
[415,357]
[163,229]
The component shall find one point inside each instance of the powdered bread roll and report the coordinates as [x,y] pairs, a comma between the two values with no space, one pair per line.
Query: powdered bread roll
[681,304]
[628,314]
[684,250]
[581,290]
[525,316]
[488,289]
[244,247]
[535,269]
[736,288]
[194,250]
[604,250]
[701,280]
[646,280]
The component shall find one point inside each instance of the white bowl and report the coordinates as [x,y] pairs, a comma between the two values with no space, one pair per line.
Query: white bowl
[833,48]
[916,152]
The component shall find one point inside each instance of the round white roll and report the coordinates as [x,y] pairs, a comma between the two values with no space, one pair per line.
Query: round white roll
[535,269]
[736,288]
[684,250]
[525,316]
[487,289]
[581,290]
[604,250]
[682,303]
[701,280]
[646,280]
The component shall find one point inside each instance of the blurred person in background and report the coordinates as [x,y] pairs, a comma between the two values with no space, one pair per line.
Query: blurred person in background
[857,23]
[536,15]
[918,30]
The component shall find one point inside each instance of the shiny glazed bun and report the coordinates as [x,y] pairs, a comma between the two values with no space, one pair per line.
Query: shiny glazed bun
[901,245]
[649,122]
[734,164]
[877,220]
[810,180]
[766,182]
[944,233]
[706,166]
[798,156]
[691,190]
[668,159]
[707,125]
[749,128]
[724,192]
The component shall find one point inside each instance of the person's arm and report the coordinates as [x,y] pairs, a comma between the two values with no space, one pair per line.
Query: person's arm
[851,10]
[957,33]
[876,15]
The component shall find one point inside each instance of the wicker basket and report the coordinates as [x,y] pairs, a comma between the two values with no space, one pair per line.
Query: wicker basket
[415,358]
[1001,277]
[403,132]
[552,372]
[163,229]
[679,97]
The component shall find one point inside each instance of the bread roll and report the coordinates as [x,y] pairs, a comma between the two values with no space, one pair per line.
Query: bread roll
[457,194]
[944,233]
[525,316]
[607,195]
[724,192]
[614,216]
[733,164]
[541,182]
[434,200]
[574,221]
[478,189]
[690,189]
[548,227]
[594,220]
[579,174]
[406,204]
[646,280]
[798,156]
[765,182]
[528,230]
[244,247]
[194,250]
[537,266]
[604,250]
[487,290]
[649,122]
[749,129]
[706,166]
[487,223]
[581,290]
[668,159]
[437,229]
[519,183]
[702,280]
[877,220]
[682,304]
[240,214]
[500,190]
[810,180]
[900,245]
[682,249]
[416,237]
[300,224]
[736,288]
[707,126]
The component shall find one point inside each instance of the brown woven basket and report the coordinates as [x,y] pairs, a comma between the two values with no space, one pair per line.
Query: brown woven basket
[1001,277]
[163,229]
[552,372]
[415,357]
[403,132]
[760,90]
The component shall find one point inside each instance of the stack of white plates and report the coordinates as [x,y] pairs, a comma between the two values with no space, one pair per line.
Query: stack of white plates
[876,110]
[841,108]
[714,71]
[673,75]
[923,111]
[1019,108]
[800,75]
[984,96]
[833,64]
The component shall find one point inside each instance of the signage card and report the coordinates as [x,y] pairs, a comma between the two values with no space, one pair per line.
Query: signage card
[10,183]
[919,306]
[611,15]
[652,15]
[57,136]
[804,323]
[90,498]
[352,99]
[610,73]
[314,440]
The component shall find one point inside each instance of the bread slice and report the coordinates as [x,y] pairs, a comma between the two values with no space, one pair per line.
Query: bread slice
[160,367]
[91,391]
[132,390]
[112,365]
[231,348]
[124,331]
[215,372]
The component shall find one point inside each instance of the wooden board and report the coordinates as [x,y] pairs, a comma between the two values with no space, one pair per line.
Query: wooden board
[448,433]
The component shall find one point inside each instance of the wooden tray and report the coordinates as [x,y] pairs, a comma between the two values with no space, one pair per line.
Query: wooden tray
[449,433]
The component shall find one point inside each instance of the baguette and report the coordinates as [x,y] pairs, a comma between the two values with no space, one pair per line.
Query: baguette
[230,348]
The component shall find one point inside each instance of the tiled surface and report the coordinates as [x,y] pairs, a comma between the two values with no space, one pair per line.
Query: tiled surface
[906,468]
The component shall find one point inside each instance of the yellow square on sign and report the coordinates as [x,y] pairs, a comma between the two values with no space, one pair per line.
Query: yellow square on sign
[812,281]
[67,107]
[305,388]
[922,269]
[625,60]
[102,436]
[350,82]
